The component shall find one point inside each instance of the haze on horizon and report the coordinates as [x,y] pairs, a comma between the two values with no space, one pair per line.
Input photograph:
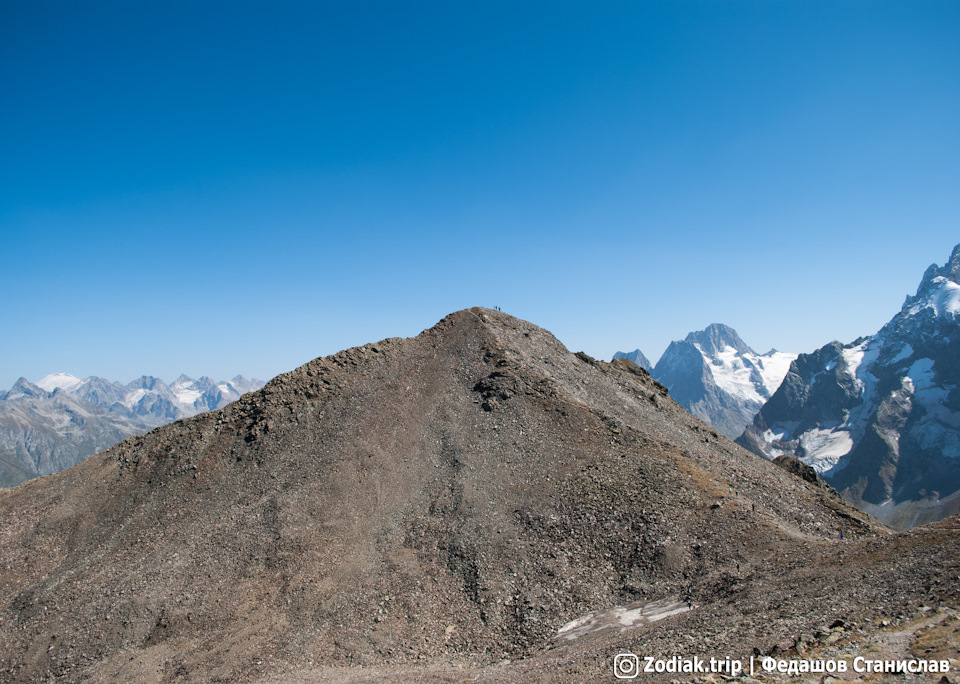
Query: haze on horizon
[220,190]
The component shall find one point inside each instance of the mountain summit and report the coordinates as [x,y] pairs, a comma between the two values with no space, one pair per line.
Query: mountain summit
[880,417]
[428,505]
[716,338]
[717,377]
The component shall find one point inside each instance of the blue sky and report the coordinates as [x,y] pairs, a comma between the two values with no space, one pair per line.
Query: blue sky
[221,187]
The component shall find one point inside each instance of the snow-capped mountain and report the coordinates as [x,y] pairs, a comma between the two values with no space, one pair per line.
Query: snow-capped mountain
[636,356]
[879,418]
[61,419]
[63,381]
[718,378]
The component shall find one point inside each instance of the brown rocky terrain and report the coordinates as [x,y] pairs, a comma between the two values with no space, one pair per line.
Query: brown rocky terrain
[438,509]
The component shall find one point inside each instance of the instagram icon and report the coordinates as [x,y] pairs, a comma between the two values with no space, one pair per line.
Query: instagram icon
[626,666]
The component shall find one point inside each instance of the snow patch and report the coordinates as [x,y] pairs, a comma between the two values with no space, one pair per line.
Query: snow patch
[187,396]
[859,361]
[853,357]
[131,399]
[734,376]
[769,436]
[904,353]
[921,374]
[622,618]
[939,427]
[824,447]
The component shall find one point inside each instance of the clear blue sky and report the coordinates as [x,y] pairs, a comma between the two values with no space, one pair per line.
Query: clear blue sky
[239,187]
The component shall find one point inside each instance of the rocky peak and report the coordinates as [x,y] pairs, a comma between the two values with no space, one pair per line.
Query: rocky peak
[205,384]
[936,279]
[147,382]
[24,388]
[716,337]
[951,269]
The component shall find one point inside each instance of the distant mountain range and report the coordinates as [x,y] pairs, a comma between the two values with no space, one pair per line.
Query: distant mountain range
[879,417]
[60,420]
[717,377]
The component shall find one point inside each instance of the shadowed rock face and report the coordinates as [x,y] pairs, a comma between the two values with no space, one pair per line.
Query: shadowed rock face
[441,503]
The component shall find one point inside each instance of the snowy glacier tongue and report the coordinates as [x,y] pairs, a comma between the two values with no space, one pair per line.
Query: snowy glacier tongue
[853,356]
